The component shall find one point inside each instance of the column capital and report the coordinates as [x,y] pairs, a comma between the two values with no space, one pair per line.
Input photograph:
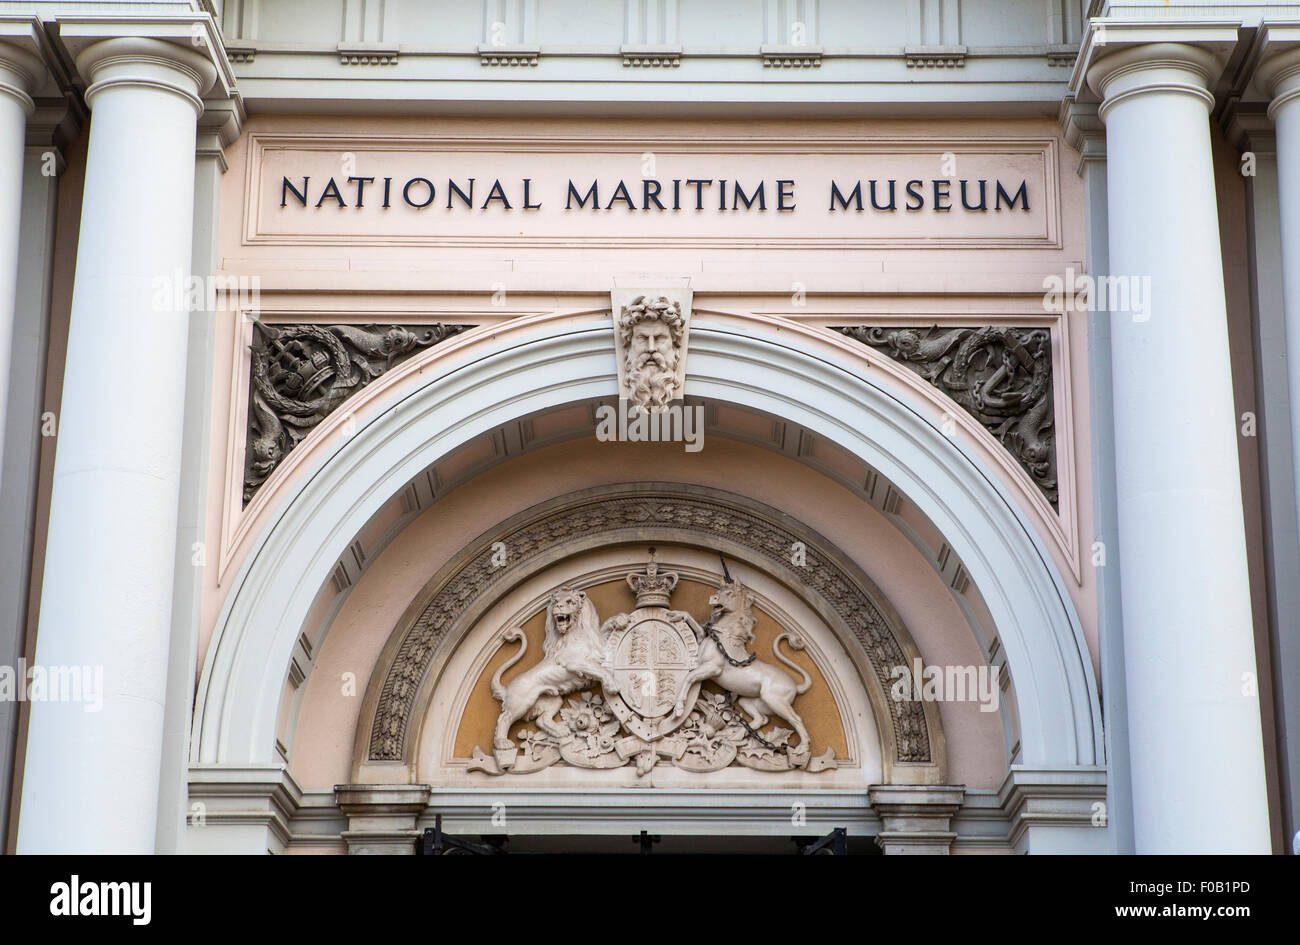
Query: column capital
[22,60]
[50,128]
[1114,46]
[183,53]
[219,126]
[246,810]
[55,122]
[135,61]
[1277,72]
[1248,128]
[1052,798]
[1154,67]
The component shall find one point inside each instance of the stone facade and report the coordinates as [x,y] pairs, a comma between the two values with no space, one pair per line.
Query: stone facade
[974,443]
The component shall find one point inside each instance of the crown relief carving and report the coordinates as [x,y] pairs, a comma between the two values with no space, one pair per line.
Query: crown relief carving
[651,588]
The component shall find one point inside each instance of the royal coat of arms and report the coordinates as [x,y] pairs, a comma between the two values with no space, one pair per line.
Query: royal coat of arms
[649,667]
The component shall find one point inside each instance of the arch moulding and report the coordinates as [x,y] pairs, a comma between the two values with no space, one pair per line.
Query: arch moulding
[832,386]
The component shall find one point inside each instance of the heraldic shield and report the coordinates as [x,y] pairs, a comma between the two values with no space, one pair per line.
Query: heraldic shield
[651,657]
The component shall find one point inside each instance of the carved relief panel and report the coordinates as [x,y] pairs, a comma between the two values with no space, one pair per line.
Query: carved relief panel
[597,682]
[651,686]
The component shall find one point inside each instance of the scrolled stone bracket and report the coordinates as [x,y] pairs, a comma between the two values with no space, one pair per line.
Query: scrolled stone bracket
[791,57]
[935,57]
[508,55]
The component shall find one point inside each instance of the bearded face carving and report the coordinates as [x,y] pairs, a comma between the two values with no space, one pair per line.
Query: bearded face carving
[652,337]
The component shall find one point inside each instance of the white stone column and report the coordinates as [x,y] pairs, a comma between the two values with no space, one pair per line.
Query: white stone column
[1194,723]
[48,131]
[91,778]
[19,73]
[1279,75]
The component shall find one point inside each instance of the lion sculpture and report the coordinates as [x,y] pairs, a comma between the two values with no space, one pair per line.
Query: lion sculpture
[573,655]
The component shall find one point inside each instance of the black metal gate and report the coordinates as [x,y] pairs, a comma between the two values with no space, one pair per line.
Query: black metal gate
[435,842]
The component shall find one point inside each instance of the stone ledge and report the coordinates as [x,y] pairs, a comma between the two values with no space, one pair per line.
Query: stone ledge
[651,56]
[791,57]
[1066,797]
[929,57]
[368,54]
[508,55]
[263,798]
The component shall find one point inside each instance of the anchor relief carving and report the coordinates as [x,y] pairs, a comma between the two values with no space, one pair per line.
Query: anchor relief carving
[649,667]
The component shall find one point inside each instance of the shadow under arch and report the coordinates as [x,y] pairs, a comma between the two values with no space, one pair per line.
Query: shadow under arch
[505,371]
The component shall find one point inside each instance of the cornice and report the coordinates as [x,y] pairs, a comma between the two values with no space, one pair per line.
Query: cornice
[25,54]
[1105,36]
[1248,127]
[1084,131]
[1275,58]
[192,33]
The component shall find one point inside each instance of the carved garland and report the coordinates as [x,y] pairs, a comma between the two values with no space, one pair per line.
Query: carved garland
[684,514]
[1001,376]
[300,374]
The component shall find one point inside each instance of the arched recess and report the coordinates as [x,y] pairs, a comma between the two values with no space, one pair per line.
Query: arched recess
[912,742]
[498,373]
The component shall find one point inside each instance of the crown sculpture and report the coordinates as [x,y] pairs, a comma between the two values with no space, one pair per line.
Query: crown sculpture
[651,588]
